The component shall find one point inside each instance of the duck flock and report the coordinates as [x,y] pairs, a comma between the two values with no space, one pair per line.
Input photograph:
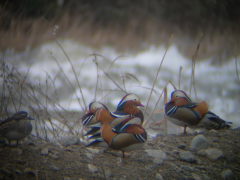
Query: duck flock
[124,127]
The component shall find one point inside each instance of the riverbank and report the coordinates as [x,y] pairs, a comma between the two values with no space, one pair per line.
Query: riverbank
[216,156]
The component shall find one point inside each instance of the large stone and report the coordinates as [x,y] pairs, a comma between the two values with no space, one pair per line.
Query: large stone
[92,168]
[158,176]
[44,151]
[187,156]
[157,155]
[227,174]
[199,142]
[30,171]
[213,153]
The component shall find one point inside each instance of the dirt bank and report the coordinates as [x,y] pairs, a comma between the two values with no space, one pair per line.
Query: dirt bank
[165,157]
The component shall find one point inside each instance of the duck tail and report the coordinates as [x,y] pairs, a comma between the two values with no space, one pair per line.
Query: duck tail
[221,124]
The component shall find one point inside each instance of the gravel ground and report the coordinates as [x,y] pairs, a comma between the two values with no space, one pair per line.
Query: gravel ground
[164,157]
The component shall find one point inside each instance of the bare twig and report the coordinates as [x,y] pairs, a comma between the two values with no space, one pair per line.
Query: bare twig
[192,82]
[75,74]
[179,77]
[237,72]
[150,115]
[156,77]
[96,87]
[114,82]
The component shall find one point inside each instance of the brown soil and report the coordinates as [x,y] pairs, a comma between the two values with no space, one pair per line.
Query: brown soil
[45,161]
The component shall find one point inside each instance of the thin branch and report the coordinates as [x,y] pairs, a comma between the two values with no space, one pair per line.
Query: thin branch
[192,82]
[156,77]
[179,77]
[237,72]
[75,74]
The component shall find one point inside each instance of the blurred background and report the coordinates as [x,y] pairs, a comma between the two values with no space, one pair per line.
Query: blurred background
[57,56]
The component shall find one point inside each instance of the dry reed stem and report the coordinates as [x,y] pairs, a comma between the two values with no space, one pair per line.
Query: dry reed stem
[114,82]
[165,118]
[75,75]
[96,87]
[156,77]
[179,77]
[192,82]
[171,83]
[150,116]
[237,72]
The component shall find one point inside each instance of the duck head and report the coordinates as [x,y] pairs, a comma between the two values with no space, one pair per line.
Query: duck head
[89,117]
[179,94]
[129,100]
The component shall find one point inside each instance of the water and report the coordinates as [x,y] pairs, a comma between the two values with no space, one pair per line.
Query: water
[218,85]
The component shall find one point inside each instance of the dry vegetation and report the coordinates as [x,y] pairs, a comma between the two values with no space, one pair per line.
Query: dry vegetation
[124,25]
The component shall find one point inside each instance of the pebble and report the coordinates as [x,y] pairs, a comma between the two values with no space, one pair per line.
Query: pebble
[44,151]
[199,142]
[213,153]
[29,171]
[5,171]
[70,140]
[54,155]
[66,178]
[107,173]
[187,156]
[196,177]
[17,151]
[17,171]
[182,146]
[54,168]
[157,155]
[159,177]
[95,150]
[92,168]
[227,174]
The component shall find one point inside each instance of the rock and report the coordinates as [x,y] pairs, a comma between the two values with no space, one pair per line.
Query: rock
[17,151]
[205,177]
[92,168]
[119,161]
[202,152]
[213,153]
[182,146]
[227,174]
[158,176]
[29,171]
[95,150]
[107,173]
[17,171]
[196,177]
[54,155]
[44,151]
[157,155]
[187,156]
[199,142]
[5,171]
[66,178]
[185,168]
[54,168]
[89,155]
[70,140]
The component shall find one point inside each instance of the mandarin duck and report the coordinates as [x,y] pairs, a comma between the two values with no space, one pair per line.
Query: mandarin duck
[16,127]
[118,118]
[121,132]
[183,112]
